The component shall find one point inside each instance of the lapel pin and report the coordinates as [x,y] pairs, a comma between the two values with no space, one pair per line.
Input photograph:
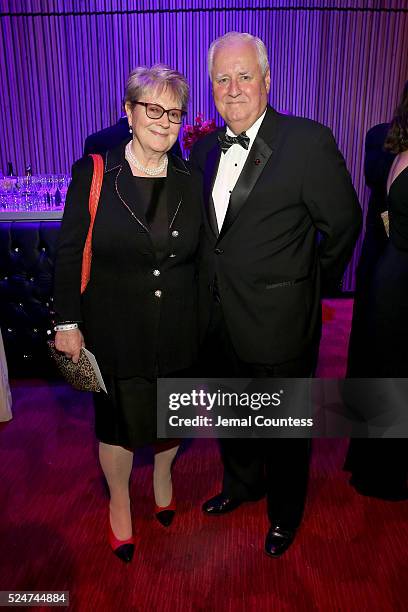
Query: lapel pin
[257,161]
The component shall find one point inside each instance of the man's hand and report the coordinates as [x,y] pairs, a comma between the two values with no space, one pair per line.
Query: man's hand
[70,342]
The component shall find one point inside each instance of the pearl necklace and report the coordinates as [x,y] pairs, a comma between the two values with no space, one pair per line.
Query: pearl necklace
[150,171]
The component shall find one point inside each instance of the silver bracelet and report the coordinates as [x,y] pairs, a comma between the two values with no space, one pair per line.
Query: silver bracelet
[66,327]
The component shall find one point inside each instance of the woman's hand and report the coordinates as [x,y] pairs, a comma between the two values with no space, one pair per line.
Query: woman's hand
[70,342]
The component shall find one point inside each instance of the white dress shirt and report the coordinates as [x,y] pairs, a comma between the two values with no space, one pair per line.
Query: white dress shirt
[229,169]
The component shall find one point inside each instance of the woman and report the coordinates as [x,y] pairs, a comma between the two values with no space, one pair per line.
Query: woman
[138,312]
[379,340]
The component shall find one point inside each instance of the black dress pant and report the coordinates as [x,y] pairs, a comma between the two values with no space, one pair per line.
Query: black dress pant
[278,467]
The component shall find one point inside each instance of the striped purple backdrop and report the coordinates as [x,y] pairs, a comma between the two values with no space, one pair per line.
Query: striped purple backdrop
[63,65]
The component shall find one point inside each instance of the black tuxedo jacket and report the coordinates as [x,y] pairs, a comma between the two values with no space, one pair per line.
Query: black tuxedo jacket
[267,259]
[137,312]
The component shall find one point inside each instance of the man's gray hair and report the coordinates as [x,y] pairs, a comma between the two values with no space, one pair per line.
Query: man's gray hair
[232,37]
[142,80]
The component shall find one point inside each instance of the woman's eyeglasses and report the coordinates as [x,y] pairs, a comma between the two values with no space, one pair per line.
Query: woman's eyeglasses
[155,111]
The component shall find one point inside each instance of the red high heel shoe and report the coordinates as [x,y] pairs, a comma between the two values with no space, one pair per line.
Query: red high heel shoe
[165,514]
[123,549]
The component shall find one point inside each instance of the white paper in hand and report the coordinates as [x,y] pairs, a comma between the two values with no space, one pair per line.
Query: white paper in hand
[94,363]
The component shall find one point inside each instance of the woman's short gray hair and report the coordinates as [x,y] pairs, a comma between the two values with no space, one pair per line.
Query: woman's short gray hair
[143,80]
[232,37]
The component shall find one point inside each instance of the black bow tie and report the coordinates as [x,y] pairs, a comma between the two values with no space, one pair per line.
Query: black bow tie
[227,141]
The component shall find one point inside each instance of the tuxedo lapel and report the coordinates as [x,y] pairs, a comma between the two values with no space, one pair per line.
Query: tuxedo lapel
[258,156]
[210,172]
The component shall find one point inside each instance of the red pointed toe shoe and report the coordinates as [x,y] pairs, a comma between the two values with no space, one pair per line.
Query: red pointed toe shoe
[165,514]
[123,549]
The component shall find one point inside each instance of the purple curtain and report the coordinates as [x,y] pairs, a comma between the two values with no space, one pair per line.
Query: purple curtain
[63,66]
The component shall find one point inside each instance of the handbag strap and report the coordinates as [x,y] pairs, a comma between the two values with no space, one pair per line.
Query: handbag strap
[94,195]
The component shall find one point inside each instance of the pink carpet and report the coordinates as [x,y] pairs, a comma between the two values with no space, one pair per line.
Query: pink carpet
[350,554]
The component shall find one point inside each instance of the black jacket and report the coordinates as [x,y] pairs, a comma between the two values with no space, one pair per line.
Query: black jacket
[136,312]
[267,259]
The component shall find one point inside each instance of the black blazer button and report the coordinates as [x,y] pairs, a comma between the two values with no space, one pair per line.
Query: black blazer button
[218,251]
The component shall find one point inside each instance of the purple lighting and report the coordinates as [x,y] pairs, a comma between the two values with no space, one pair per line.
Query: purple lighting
[63,74]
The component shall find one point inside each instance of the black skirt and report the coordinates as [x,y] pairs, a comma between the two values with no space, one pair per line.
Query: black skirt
[126,415]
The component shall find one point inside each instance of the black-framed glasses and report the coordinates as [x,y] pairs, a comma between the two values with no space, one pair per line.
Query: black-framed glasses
[155,111]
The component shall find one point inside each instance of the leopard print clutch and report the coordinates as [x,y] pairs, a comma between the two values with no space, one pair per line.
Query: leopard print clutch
[80,375]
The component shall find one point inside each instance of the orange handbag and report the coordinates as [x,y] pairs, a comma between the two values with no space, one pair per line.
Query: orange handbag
[94,194]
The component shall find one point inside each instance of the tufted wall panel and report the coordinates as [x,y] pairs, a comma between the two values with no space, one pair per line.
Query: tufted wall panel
[27,253]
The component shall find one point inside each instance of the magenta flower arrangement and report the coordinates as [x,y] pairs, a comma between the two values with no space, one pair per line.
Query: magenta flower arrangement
[193,133]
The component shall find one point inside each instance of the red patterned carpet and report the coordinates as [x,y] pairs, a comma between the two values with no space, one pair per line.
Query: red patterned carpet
[351,553]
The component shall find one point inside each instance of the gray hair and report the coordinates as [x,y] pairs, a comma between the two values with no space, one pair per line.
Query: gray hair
[232,37]
[157,78]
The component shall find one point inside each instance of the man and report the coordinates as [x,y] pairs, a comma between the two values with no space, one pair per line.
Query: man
[112,136]
[108,138]
[270,183]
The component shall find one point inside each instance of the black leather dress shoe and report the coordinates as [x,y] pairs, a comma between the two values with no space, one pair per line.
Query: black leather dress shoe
[278,540]
[220,504]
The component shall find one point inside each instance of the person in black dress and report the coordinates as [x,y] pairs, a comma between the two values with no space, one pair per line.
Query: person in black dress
[379,338]
[138,312]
